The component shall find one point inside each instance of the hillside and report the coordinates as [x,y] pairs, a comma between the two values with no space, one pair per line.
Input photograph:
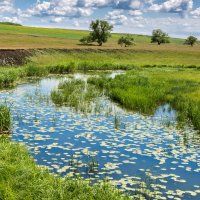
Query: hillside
[143,53]
[15,37]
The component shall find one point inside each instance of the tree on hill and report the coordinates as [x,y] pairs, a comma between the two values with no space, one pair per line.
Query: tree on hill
[100,32]
[160,37]
[127,41]
[191,40]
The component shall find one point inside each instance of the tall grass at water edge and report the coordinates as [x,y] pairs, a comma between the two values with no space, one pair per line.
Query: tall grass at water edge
[5,119]
[145,89]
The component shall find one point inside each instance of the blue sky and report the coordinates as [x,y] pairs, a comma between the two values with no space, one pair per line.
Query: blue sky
[179,18]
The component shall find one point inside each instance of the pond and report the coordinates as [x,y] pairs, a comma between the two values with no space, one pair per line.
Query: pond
[139,153]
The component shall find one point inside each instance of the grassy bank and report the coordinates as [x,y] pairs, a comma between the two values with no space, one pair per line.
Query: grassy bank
[20,178]
[113,59]
[143,90]
[66,61]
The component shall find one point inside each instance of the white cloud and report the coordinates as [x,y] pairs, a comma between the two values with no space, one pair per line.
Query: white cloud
[196,13]
[57,20]
[177,6]
[59,8]
[11,19]
[135,12]
[116,17]
[6,6]
[76,23]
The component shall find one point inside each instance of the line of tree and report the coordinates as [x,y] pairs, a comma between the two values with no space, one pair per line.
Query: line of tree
[101,32]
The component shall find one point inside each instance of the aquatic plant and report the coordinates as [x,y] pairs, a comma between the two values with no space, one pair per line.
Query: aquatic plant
[76,94]
[144,90]
[34,70]
[7,78]
[5,119]
[62,69]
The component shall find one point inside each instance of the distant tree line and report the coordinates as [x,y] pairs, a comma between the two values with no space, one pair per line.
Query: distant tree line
[10,23]
[101,31]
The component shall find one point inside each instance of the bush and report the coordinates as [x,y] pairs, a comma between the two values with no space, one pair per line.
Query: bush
[127,41]
[86,40]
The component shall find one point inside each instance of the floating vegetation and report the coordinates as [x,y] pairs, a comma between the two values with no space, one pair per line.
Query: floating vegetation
[142,156]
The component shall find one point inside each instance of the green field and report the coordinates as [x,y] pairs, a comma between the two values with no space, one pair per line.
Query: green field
[143,53]
[12,36]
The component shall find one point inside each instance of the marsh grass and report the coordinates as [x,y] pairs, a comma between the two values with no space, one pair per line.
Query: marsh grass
[7,77]
[46,62]
[34,70]
[144,90]
[62,69]
[77,94]
[20,178]
[5,119]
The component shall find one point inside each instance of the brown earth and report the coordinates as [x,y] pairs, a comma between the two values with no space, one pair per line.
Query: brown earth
[14,57]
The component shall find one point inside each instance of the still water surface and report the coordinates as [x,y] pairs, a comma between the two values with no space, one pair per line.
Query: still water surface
[110,143]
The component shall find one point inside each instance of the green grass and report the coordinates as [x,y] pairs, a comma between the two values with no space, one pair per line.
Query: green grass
[5,119]
[144,53]
[143,90]
[75,94]
[14,36]
[52,61]
[48,32]
[65,33]
[116,59]
[20,178]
